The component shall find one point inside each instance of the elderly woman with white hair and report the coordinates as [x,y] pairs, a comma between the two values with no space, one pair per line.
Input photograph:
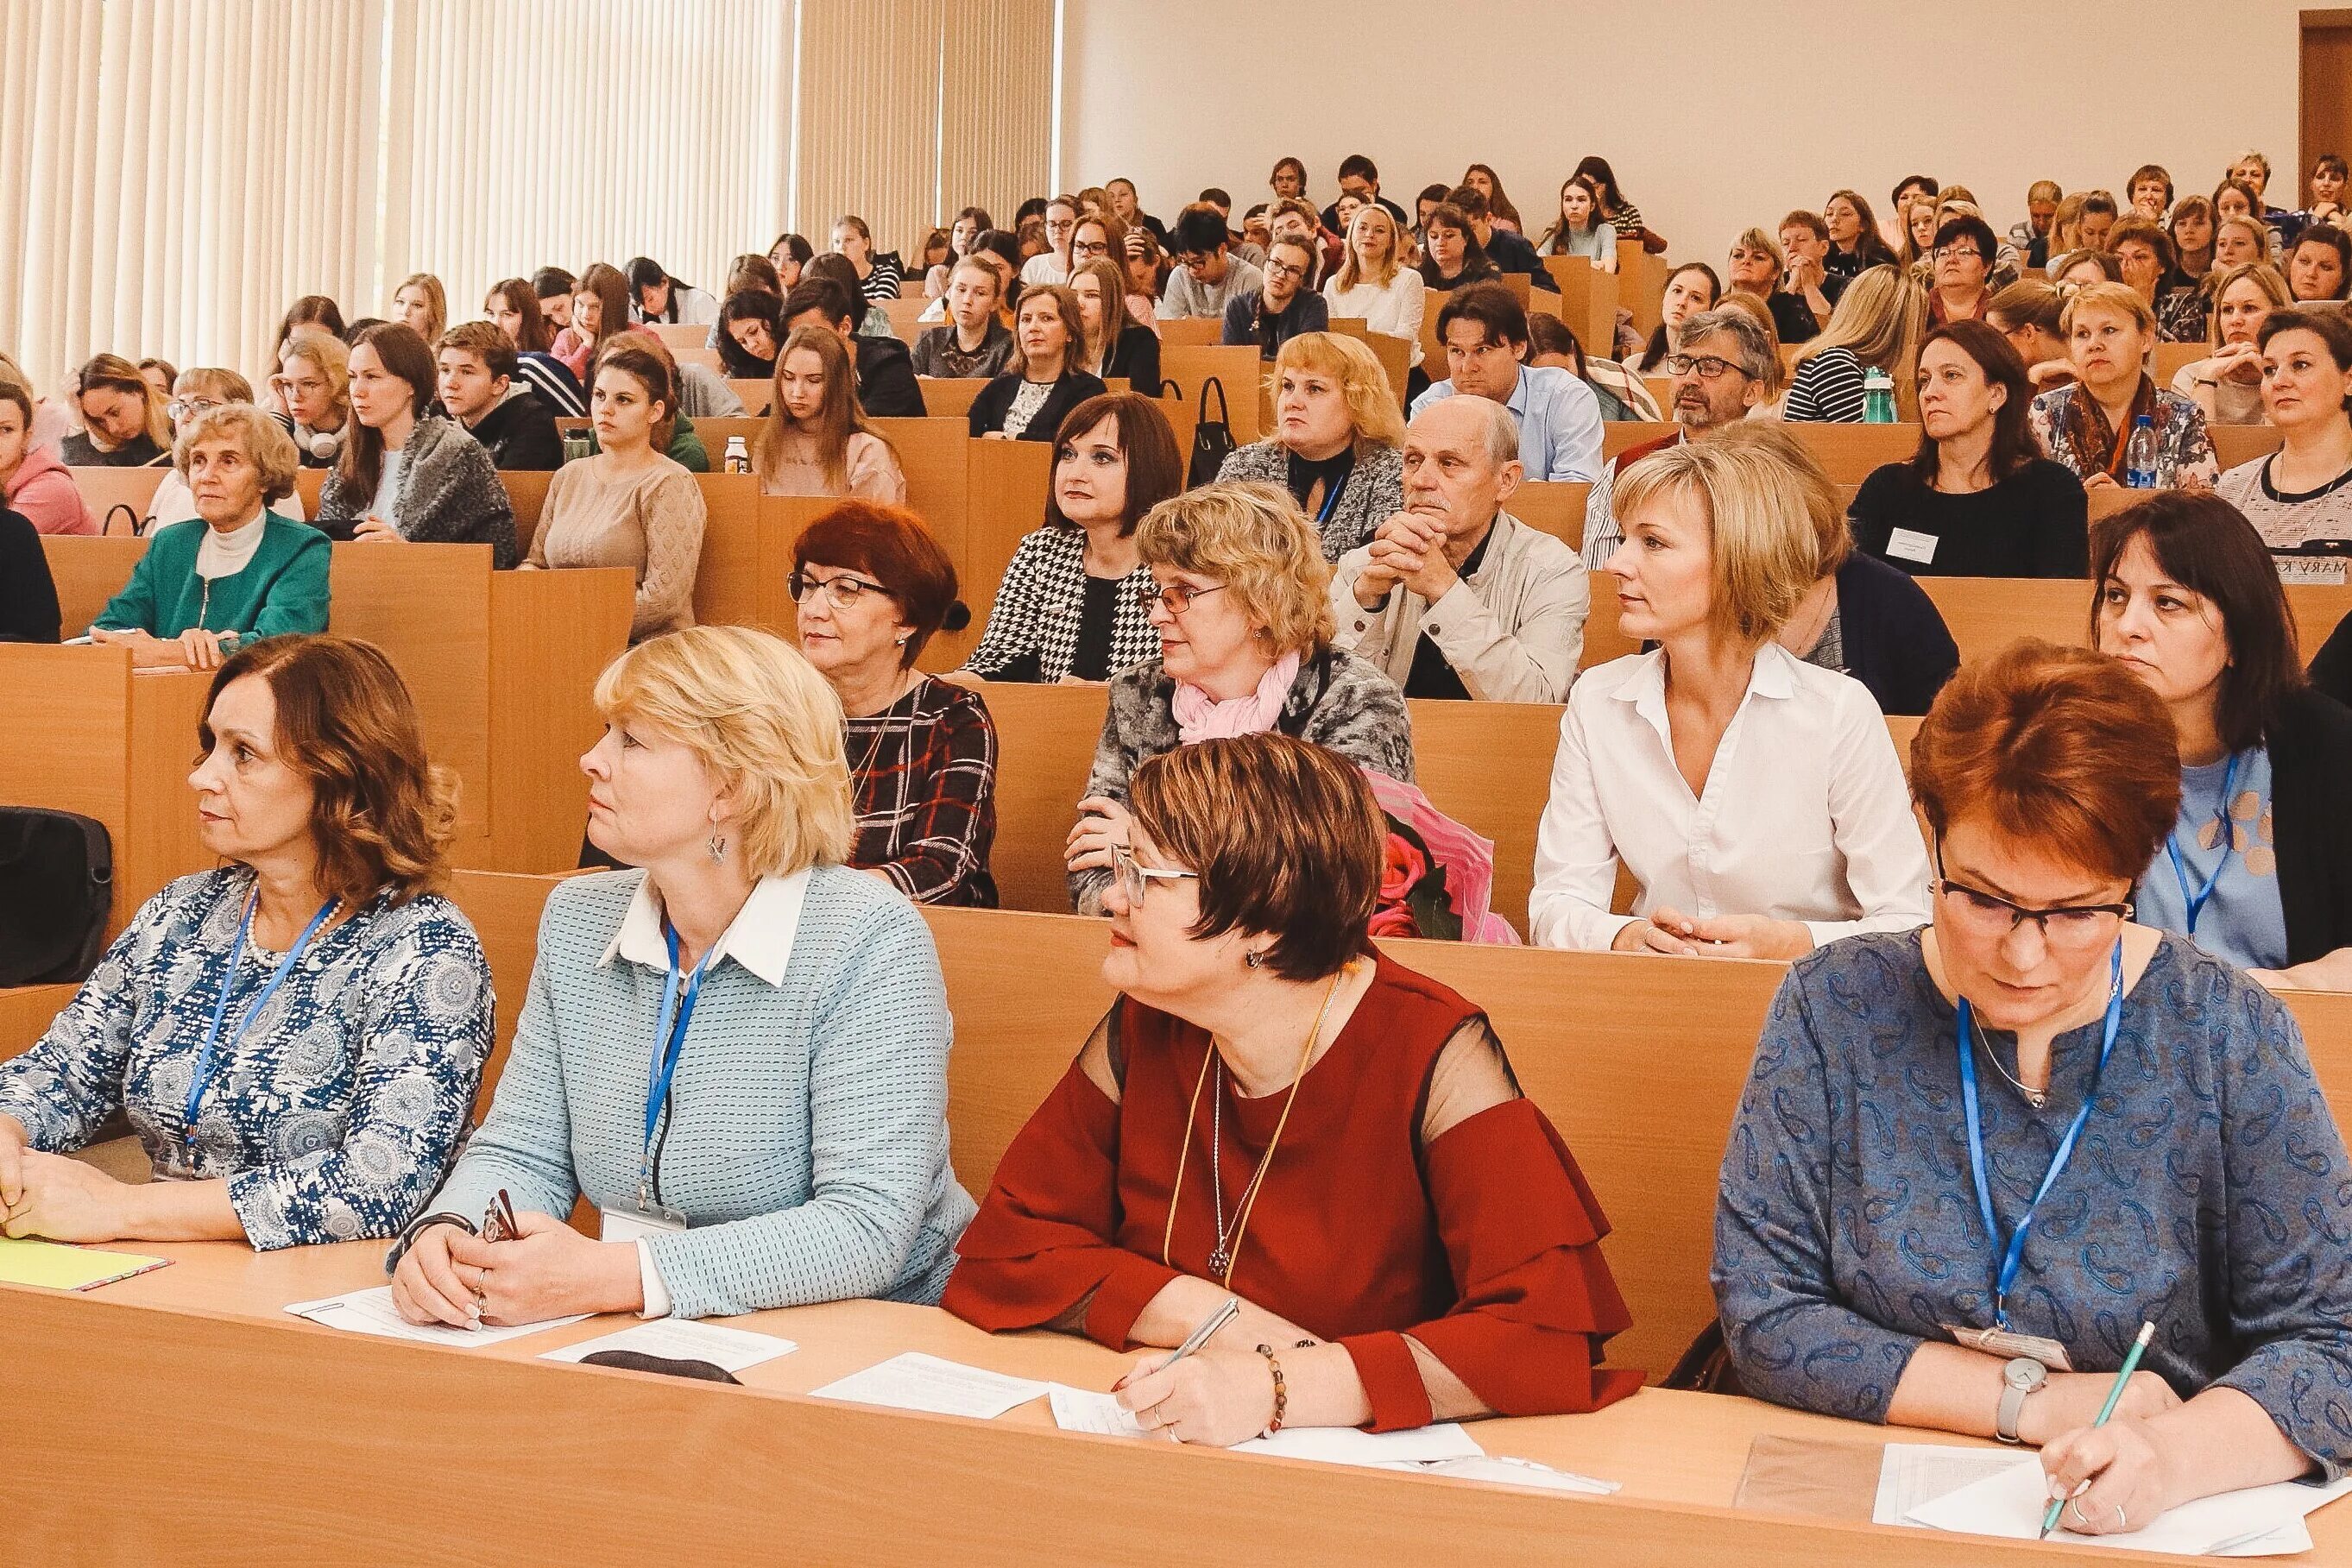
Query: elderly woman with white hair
[238,573]
[790,1141]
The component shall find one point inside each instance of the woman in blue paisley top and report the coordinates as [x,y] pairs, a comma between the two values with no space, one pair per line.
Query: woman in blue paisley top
[1909,1085]
[297,1037]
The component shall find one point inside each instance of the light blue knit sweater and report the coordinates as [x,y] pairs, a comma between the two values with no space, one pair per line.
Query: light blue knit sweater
[807,1142]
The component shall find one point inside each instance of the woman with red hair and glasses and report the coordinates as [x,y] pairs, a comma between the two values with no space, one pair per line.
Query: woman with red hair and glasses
[873,587]
[1972,1159]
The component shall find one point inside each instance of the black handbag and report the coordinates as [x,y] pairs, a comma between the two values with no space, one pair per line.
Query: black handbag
[56,888]
[1212,439]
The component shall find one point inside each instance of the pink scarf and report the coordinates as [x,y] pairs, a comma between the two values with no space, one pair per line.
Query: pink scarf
[1200,716]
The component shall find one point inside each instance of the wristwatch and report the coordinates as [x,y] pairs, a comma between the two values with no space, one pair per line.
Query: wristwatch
[2018,1378]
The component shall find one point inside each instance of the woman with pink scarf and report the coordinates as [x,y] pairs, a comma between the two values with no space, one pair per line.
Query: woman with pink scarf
[1241,600]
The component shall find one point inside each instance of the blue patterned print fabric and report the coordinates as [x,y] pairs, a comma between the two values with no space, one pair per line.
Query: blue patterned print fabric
[2209,1193]
[340,1109]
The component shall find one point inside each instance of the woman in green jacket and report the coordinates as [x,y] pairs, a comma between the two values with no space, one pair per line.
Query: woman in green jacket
[238,573]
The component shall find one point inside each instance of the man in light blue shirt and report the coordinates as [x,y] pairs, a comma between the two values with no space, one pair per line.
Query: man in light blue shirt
[1486,336]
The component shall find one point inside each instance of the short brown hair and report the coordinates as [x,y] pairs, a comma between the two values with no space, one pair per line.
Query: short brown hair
[1286,837]
[1155,469]
[532,334]
[2060,749]
[381,815]
[893,546]
[485,342]
[2148,235]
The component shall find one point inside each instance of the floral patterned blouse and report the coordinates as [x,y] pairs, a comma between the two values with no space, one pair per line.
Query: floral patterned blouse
[2071,429]
[340,1109]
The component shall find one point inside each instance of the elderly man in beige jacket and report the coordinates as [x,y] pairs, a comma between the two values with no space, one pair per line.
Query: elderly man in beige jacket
[1453,597]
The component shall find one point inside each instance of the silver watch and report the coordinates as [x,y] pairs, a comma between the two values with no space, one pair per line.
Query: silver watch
[2018,1378]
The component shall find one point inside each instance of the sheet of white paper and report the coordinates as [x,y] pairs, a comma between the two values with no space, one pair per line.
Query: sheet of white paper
[1084,1410]
[2010,1503]
[2284,1541]
[1347,1446]
[371,1312]
[918,1382]
[1913,1475]
[683,1339]
[1509,1472]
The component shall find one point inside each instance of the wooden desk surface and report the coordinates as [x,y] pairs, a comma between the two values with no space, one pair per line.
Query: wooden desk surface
[233,1455]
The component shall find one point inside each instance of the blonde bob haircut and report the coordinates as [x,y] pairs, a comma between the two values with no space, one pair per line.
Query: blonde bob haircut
[1372,406]
[765,725]
[1252,538]
[265,442]
[324,349]
[1764,544]
[2120,298]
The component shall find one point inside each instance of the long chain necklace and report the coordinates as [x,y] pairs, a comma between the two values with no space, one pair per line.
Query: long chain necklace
[2031,1098]
[1227,1252]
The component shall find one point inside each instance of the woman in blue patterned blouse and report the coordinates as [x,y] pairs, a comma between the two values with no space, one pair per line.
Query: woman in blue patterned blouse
[2035,1116]
[296,1038]
[738,1053]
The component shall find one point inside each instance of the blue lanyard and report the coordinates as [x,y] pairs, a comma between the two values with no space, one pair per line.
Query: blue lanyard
[1330,499]
[201,1077]
[2013,1255]
[2196,902]
[664,1066]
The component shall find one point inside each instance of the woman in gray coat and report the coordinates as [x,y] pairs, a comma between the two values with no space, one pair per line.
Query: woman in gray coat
[1338,425]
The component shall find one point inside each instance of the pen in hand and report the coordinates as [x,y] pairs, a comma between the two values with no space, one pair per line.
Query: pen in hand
[2114,1395]
[1225,1313]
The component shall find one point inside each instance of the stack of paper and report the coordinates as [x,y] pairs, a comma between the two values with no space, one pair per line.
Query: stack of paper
[918,1382]
[54,1265]
[371,1312]
[2259,1521]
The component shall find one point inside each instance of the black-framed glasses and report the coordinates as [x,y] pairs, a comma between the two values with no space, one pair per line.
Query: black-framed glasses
[1175,598]
[1090,247]
[1710,367]
[1990,915]
[844,590]
[1273,268]
[1958,253]
[1137,878]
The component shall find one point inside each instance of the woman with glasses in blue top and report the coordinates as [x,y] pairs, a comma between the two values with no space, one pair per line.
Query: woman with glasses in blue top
[1972,1159]
[2258,868]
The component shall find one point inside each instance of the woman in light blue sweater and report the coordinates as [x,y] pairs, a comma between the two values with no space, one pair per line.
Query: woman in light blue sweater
[737,1054]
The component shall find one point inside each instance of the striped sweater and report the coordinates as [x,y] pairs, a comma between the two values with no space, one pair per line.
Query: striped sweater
[807,1139]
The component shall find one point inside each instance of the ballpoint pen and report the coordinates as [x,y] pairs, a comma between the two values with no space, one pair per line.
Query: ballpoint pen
[2114,1395]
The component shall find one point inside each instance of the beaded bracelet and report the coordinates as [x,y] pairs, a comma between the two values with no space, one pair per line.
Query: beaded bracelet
[1281,1393]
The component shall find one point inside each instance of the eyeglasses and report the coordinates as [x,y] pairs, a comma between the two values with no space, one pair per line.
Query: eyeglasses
[1283,269]
[1137,878]
[1709,367]
[181,408]
[1175,598]
[1990,915]
[1090,247]
[1958,253]
[844,592]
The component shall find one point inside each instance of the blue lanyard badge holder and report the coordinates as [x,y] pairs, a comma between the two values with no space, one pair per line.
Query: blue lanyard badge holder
[651,1216]
[2194,899]
[2001,1340]
[181,1164]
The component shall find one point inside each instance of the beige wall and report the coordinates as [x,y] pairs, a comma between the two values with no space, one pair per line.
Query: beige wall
[1714,114]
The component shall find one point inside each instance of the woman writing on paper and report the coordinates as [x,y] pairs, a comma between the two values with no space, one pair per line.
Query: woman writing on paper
[1276,1111]
[297,1037]
[1971,1158]
[737,1053]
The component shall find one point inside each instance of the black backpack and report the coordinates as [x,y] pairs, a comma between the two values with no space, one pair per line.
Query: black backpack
[56,889]
[1212,439]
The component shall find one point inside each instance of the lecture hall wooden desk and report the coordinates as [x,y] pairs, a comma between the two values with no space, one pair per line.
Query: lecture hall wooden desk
[185,1415]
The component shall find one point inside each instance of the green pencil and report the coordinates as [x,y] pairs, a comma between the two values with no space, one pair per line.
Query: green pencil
[2114,1396]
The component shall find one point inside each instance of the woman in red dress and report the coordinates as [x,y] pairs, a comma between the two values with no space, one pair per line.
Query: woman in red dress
[1275,1110]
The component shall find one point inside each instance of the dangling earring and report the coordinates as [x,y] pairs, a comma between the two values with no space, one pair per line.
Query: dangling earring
[717,849]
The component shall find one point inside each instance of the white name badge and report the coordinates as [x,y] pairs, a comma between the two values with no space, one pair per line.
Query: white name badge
[2310,567]
[628,1225]
[1906,544]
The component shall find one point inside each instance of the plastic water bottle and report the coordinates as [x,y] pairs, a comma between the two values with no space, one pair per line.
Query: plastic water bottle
[1877,397]
[2139,455]
[577,447]
[738,457]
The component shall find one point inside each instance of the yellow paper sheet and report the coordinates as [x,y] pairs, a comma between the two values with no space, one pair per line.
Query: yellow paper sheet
[56,1267]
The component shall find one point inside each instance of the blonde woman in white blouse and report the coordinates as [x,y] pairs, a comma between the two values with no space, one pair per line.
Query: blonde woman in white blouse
[1756,799]
[1374,283]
